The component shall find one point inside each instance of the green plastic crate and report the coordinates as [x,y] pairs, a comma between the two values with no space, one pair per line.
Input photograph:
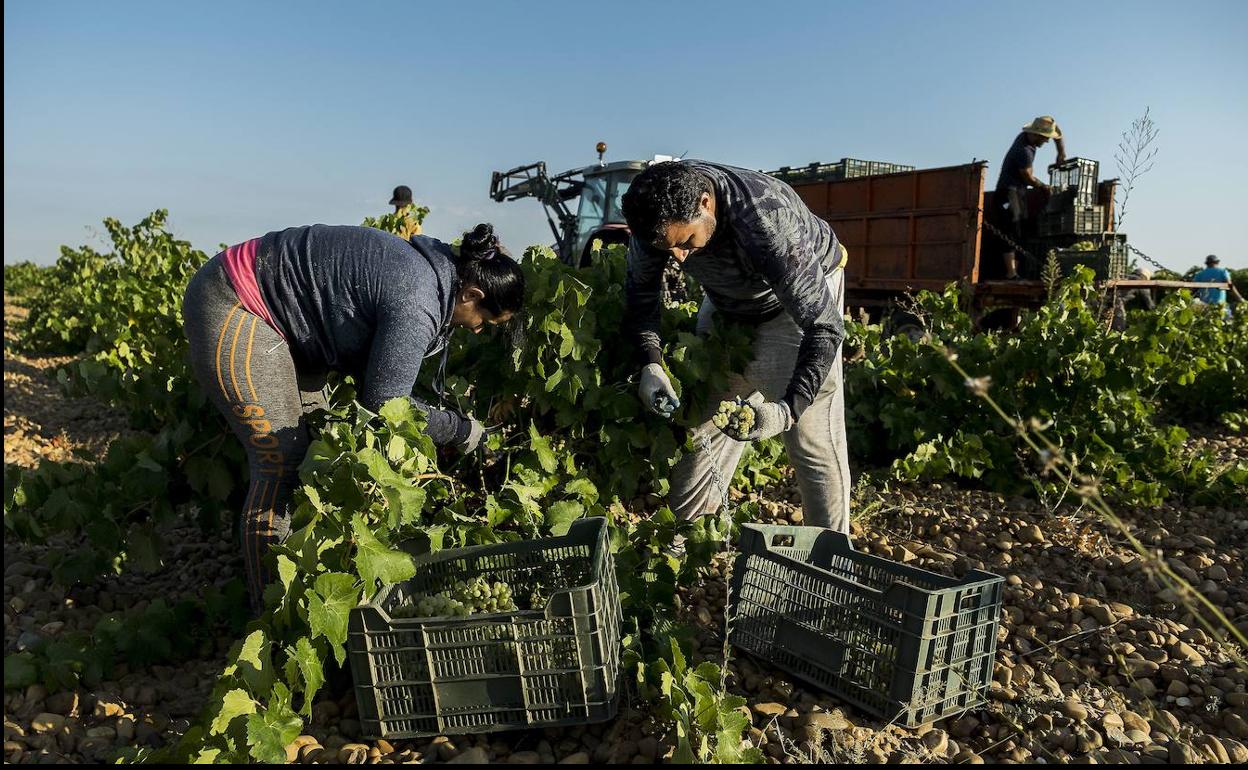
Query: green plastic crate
[417,677]
[902,643]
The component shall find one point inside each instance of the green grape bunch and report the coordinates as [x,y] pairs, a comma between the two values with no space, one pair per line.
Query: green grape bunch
[460,600]
[736,418]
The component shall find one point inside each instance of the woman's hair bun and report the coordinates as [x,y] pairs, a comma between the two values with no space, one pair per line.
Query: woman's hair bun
[480,243]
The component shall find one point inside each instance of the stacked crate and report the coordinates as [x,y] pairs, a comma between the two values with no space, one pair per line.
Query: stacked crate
[845,168]
[1072,207]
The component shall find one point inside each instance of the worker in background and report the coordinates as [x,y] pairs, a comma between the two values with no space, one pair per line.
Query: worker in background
[764,259]
[402,201]
[1016,176]
[1132,299]
[1215,295]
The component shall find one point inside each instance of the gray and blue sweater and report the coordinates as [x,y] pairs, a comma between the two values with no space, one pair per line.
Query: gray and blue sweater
[769,254]
[365,302]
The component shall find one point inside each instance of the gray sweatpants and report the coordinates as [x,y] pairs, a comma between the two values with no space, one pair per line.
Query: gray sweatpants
[246,368]
[816,444]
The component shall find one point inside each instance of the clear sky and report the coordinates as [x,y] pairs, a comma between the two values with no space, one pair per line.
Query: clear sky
[242,118]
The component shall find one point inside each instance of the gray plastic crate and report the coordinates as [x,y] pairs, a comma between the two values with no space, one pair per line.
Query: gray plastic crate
[1079,175]
[1074,220]
[1108,261]
[902,643]
[556,666]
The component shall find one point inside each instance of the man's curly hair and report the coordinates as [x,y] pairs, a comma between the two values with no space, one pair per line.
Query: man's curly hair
[662,194]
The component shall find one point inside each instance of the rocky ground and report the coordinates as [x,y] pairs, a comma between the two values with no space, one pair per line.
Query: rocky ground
[1097,659]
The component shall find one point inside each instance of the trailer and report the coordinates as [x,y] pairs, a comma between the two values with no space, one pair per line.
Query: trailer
[927,228]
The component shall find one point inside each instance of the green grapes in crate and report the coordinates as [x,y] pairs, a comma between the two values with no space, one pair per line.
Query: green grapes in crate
[462,599]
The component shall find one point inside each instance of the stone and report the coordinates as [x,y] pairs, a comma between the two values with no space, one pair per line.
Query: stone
[473,756]
[125,728]
[1101,613]
[579,758]
[826,720]
[1031,534]
[1212,749]
[936,741]
[963,726]
[1181,753]
[63,703]
[105,708]
[293,750]
[1176,688]
[1235,724]
[524,758]
[769,709]
[1133,721]
[1074,709]
[1184,650]
[47,723]
[968,757]
[446,749]
[1236,752]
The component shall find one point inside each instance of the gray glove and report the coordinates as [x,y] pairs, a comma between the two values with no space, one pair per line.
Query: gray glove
[771,418]
[656,391]
[476,433]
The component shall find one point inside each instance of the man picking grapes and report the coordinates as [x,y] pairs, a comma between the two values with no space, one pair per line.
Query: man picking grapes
[764,259]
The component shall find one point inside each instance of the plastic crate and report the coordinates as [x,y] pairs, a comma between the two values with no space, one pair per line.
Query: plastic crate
[418,677]
[1079,174]
[1074,220]
[1108,261]
[845,168]
[902,643]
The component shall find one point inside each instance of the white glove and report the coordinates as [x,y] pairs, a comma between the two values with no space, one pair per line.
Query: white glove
[476,432]
[771,418]
[656,391]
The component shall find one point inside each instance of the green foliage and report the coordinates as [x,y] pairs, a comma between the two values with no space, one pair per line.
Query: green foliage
[123,311]
[24,278]
[404,223]
[1096,390]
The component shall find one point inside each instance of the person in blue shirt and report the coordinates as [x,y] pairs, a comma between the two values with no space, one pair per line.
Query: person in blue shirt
[1215,295]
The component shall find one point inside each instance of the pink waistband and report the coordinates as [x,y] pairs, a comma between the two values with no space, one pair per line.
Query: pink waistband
[240,269]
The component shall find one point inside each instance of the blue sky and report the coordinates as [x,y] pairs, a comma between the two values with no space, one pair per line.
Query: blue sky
[242,118]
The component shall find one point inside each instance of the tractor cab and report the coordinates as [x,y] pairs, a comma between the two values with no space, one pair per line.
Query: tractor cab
[599,213]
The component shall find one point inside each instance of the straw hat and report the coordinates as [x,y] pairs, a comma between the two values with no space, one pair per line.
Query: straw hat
[1044,125]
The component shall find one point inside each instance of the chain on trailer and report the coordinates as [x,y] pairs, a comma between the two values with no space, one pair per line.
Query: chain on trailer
[990,227]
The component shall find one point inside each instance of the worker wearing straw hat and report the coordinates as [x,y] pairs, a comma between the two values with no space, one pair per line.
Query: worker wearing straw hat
[1016,176]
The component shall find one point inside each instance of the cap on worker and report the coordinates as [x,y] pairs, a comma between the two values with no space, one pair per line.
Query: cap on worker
[1044,125]
[1212,259]
[402,195]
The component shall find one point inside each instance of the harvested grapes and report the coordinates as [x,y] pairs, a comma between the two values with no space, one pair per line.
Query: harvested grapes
[736,418]
[462,599]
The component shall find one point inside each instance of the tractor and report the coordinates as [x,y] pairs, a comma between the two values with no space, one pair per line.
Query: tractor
[598,215]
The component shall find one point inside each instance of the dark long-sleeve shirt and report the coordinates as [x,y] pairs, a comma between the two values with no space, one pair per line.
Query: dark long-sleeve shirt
[363,301]
[769,254]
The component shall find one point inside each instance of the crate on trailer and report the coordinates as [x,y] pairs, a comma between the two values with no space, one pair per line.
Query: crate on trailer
[845,168]
[1074,220]
[545,667]
[1078,174]
[900,642]
[855,168]
[1107,260]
